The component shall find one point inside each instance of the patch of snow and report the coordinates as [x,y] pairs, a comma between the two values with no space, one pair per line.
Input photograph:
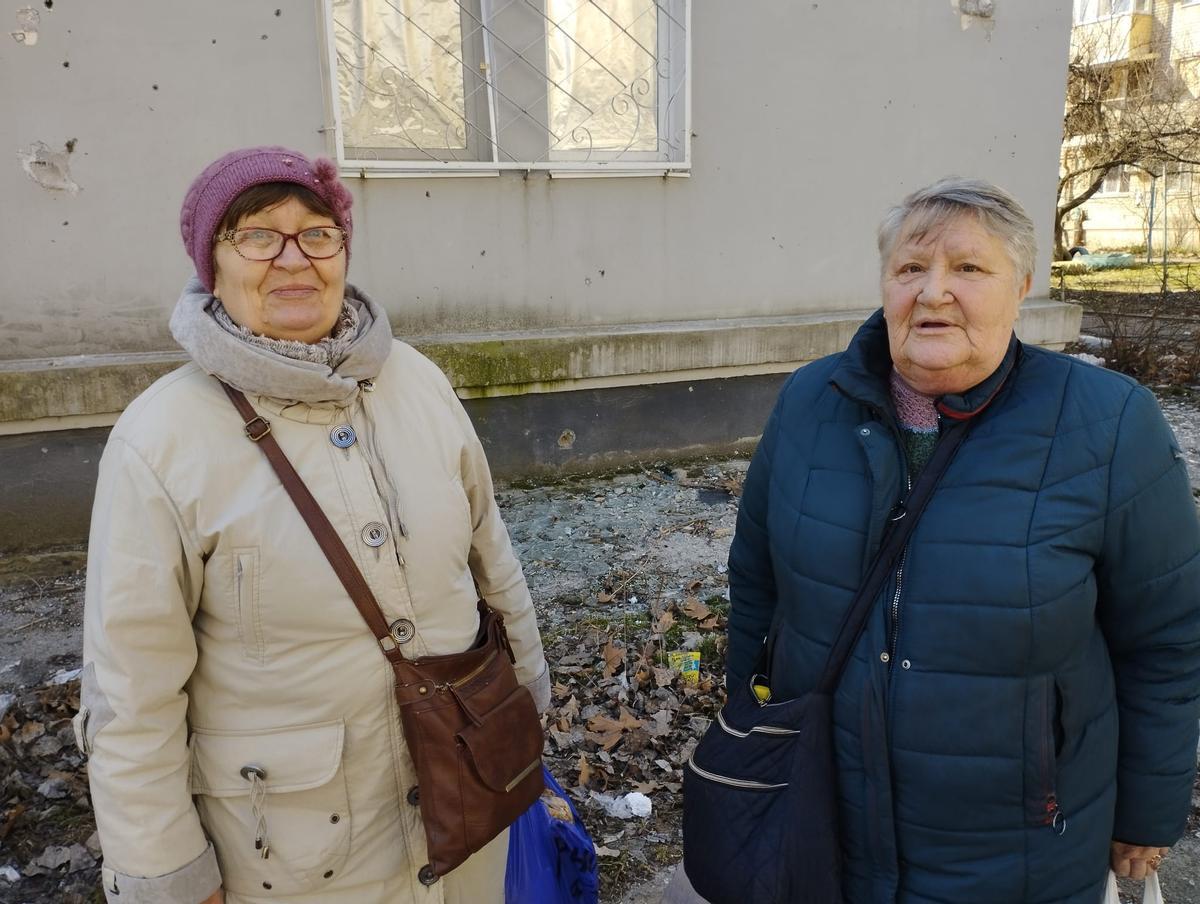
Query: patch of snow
[1093,342]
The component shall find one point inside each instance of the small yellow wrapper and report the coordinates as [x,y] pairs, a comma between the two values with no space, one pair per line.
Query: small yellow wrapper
[687,663]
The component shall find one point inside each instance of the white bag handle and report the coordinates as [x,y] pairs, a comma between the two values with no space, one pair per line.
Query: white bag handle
[1153,891]
[1151,894]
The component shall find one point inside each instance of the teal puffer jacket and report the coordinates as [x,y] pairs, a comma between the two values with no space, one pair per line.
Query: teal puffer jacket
[1036,693]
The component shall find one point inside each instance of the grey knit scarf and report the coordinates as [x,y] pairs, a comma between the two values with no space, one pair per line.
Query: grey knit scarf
[328,351]
[327,372]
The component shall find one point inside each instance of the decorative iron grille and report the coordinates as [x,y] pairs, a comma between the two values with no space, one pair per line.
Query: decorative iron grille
[463,85]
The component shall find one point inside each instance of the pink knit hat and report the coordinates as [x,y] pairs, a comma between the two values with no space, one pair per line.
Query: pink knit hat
[227,177]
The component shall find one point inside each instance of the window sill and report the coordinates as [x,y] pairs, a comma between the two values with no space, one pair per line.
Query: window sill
[555,169]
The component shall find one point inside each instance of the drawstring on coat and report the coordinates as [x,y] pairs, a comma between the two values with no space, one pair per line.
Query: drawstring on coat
[257,777]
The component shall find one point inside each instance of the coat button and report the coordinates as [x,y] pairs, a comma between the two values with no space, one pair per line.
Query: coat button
[427,875]
[343,436]
[414,796]
[402,630]
[905,664]
[884,657]
[374,534]
[865,431]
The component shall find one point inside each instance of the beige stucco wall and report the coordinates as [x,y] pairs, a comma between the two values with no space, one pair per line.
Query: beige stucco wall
[1118,221]
[808,119]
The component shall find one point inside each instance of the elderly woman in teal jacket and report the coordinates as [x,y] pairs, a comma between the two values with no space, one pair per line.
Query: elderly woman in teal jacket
[1021,710]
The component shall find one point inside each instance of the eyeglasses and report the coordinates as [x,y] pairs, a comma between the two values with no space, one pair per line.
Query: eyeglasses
[259,244]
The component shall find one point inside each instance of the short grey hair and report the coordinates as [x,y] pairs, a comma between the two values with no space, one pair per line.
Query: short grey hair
[995,209]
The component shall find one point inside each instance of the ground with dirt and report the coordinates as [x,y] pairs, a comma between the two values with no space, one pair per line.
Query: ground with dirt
[626,569]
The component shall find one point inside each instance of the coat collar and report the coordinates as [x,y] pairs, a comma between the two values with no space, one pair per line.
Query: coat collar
[865,366]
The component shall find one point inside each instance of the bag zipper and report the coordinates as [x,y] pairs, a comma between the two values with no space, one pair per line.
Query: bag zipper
[745,784]
[524,772]
[459,682]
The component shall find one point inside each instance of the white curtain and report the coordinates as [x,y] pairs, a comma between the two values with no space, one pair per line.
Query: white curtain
[603,55]
[400,79]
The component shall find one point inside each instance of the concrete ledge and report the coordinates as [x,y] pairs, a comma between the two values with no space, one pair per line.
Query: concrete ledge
[1052,324]
[48,497]
[50,394]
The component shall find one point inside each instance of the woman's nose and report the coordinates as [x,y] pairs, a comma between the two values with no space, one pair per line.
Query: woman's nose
[291,257]
[934,287]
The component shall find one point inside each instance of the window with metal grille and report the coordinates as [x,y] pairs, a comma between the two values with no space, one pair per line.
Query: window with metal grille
[583,87]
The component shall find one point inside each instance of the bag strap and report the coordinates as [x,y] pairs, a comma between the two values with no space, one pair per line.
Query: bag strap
[258,429]
[901,524]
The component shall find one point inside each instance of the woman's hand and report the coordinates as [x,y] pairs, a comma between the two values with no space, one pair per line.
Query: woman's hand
[217,897]
[1130,861]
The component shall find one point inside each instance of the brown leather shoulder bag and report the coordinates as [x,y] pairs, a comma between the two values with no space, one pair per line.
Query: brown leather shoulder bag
[473,731]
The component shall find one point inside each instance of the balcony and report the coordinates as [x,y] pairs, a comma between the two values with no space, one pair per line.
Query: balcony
[1125,36]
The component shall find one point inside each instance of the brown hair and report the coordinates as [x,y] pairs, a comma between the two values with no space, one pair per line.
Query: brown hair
[268,195]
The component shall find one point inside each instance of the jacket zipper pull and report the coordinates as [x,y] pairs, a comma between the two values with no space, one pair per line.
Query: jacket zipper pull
[1054,816]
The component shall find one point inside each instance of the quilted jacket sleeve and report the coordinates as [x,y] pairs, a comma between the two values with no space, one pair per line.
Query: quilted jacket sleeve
[751,577]
[143,585]
[1149,609]
[495,567]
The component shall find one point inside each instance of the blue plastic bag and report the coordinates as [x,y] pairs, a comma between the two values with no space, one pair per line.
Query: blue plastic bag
[551,860]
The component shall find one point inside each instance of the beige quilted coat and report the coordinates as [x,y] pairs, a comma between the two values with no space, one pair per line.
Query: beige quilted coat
[218,637]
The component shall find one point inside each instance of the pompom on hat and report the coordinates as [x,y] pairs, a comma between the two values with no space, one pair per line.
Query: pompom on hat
[210,195]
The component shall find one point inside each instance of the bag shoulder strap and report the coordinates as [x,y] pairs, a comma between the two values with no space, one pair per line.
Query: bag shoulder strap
[258,429]
[900,527]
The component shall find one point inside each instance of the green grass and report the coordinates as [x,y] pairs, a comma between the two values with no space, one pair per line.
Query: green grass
[1181,277]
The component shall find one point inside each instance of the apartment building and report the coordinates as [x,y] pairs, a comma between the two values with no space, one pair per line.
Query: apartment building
[1132,127]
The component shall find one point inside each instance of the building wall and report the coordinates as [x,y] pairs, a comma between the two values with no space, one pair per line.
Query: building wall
[1122,220]
[809,118]
[538,296]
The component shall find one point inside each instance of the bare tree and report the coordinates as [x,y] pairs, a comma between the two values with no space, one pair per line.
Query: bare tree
[1130,103]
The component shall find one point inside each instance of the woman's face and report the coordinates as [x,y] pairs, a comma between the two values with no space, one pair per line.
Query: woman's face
[950,298]
[290,297]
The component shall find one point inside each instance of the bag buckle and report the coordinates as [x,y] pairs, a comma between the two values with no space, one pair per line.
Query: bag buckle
[258,428]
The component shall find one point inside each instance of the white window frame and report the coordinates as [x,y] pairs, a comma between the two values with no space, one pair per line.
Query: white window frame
[673,119]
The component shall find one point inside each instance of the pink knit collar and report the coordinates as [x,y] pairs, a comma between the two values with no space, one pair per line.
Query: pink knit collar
[914,410]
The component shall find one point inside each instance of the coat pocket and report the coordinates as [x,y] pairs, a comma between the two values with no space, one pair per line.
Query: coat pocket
[275,804]
[1043,743]
[248,616]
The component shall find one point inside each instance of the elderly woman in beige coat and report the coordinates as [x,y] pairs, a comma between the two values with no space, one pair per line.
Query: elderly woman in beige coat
[216,634]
